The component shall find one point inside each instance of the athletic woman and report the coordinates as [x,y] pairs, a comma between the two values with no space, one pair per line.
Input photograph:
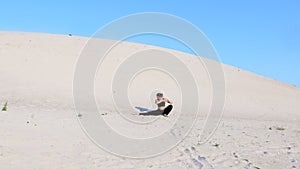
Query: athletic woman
[161,103]
[161,107]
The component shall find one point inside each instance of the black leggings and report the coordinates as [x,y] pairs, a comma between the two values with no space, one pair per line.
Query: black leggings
[167,110]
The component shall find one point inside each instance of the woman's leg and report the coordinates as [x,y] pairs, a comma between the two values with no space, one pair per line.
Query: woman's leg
[167,110]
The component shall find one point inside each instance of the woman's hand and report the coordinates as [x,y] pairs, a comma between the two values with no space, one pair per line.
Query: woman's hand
[159,101]
[167,100]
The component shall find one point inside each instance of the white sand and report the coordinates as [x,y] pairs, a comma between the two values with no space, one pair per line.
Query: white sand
[41,130]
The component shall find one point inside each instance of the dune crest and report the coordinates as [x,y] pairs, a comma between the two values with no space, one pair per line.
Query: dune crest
[260,120]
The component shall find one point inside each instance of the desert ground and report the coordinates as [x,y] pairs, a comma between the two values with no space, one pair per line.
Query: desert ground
[259,127]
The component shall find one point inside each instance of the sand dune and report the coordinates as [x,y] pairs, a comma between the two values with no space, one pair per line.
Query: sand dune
[259,128]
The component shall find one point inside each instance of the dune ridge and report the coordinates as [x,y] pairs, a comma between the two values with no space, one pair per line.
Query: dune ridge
[36,74]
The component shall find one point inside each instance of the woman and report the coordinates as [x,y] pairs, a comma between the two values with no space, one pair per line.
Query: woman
[161,110]
[161,103]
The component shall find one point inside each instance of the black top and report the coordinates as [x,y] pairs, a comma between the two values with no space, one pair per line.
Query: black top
[161,104]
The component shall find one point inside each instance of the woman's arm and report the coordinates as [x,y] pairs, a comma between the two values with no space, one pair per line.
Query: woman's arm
[157,102]
[167,100]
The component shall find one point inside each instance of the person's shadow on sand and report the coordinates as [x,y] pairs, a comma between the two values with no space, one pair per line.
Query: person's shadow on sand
[148,112]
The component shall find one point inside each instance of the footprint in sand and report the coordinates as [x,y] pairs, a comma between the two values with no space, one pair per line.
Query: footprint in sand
[197,160]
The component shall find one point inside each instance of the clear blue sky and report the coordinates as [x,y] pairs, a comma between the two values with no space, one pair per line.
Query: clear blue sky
[262,36]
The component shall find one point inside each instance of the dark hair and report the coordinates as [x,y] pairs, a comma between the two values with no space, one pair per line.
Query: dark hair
[159,94]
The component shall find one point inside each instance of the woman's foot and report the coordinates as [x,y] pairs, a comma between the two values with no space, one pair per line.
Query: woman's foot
[136,113]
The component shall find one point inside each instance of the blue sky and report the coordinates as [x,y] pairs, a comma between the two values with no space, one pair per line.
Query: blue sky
[262,36]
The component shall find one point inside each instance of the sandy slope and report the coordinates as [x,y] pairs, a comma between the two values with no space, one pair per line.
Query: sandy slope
[40,128]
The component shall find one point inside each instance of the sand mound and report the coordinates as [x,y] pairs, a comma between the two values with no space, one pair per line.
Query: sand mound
[36,74]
